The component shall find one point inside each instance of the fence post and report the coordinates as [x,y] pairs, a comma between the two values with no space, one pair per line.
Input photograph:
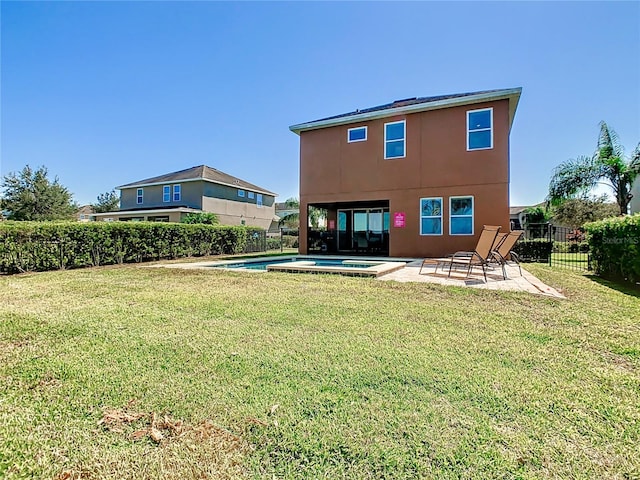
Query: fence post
[549,238]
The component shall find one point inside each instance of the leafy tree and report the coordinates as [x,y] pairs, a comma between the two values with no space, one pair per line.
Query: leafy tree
[575,178]
[107,202]
[537,214]
[30,195]
[201,217]
[575,212]
[292,220]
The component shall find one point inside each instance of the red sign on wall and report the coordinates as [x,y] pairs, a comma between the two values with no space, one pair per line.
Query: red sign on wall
[398,219]
[332,224]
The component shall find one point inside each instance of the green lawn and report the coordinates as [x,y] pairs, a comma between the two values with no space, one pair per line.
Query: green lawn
[575,260]
[132,372]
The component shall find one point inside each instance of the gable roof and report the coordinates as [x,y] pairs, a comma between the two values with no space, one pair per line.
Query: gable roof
[413,105]
[201,172]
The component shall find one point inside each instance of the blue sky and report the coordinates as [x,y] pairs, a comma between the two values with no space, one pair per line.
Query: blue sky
[106,93]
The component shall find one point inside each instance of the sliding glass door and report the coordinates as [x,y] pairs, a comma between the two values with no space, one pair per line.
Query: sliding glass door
[363,230]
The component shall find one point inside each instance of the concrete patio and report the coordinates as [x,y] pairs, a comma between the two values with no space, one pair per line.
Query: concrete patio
[515,282]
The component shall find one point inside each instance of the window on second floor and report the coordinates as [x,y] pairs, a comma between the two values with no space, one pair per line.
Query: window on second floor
[259,200]
[166,193]
[357,134]
[177,193]
[394,140]
[241,193]
[251,195]
[139,196]
[480,129]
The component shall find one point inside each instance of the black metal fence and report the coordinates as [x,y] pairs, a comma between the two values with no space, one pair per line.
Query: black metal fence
[256,242]
[565,247]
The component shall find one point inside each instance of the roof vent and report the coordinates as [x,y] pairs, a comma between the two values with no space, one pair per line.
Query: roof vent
[405,100]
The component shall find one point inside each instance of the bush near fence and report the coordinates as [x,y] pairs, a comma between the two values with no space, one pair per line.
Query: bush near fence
[536,250]
[615,247]
[40,246]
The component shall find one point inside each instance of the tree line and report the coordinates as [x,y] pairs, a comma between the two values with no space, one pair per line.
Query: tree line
[31,195]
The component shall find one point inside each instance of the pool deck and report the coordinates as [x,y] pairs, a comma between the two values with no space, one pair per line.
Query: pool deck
[514,282]
[411,273]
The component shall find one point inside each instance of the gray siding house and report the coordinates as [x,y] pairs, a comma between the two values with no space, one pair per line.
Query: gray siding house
[635,200]
[169,197]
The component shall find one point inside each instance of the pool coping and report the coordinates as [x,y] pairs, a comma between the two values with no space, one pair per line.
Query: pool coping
[383,265]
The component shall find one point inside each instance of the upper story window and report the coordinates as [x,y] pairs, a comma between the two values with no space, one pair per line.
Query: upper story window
[357,134]
[241,193]
[480,129]
[177,193]
[394,140]
[431,216]
[460,215]
[259,200]
[251,195]
[139,196]
[166,193]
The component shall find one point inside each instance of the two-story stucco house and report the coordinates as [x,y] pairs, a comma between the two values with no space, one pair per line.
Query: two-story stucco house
[169,197]
[415,178]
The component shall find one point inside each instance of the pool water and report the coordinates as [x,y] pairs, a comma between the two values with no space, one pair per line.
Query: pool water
[321,262]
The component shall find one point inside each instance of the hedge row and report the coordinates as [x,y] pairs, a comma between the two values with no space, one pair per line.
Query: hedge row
[40,246]
[537,250]
[615,247]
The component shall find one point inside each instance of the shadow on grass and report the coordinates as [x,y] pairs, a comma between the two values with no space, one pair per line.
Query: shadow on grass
[619,285]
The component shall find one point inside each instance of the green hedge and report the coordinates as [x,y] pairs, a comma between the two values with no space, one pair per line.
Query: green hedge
[537,250]
[615,247]
[40,246]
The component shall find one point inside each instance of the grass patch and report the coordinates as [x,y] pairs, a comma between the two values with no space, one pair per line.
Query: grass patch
[133,372]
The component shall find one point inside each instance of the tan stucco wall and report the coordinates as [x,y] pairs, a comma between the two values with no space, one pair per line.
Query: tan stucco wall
[232,213]
[437,164]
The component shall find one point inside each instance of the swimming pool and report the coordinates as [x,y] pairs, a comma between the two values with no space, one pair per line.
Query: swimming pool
[305,264]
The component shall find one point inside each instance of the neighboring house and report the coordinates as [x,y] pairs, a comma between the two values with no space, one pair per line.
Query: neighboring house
[414,178]
[169,197]
[85,213]
[635,201]
[518,215]
[281,211]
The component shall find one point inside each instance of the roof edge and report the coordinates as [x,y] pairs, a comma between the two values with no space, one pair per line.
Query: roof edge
[509,93]
[186,180]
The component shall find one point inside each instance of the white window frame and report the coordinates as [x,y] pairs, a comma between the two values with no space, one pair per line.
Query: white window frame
[404,140]
[241,193]
[473,214]
[139,196]
[259,200]
[490,129]
[358,140]
[177,193]
[251,195]
[432,216]
[166,193]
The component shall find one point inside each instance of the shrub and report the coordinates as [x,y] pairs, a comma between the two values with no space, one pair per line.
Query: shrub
[537,250]
[39,246]
[615,247]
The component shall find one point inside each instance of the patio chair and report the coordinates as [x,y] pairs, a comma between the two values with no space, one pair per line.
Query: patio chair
[502,253]
[479,257]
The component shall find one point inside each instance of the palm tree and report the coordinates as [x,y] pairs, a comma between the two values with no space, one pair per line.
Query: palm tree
[577,177]
[315,214]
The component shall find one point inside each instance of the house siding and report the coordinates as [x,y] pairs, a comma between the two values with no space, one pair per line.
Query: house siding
[635,200]
[191,196]
[436,164]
